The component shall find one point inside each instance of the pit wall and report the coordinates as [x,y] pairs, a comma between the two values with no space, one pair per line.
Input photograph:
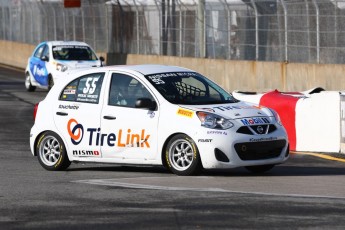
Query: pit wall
[230,74]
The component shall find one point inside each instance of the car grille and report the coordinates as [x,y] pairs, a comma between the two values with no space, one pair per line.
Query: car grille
[257,129]
[259,150]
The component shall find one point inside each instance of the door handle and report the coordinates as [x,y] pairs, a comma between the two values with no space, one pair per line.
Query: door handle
[109,117]
[61,113]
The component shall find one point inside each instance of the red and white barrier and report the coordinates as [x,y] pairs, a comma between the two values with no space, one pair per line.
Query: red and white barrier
[314,119]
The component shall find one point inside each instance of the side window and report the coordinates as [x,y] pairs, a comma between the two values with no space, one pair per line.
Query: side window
[125,90]
[84,89]
[46,51]
[39,51]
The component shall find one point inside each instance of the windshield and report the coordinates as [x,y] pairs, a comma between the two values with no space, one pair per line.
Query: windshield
[73,53]
[189,88]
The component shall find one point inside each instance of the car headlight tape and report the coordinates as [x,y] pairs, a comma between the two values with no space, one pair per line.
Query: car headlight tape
[276,116]
[61,67]
[213,121]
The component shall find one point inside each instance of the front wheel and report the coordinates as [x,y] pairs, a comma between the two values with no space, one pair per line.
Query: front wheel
[182,156]
[259,168]
[29,87]
[51,152]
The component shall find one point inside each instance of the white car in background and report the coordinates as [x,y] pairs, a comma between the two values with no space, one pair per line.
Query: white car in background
[153,115]
[51,59]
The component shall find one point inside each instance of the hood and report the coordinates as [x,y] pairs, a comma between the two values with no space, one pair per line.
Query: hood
[233,110]
[81,64]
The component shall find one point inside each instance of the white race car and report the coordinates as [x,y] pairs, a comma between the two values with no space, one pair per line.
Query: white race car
[50,60]
[153,115]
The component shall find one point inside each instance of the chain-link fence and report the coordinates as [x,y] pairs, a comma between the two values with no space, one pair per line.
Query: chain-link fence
[309,31]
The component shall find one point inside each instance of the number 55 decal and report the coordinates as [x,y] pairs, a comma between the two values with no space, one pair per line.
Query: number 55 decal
[88,89]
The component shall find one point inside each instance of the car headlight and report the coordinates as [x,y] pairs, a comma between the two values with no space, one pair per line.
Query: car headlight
[213,121]
[276,116]
[60,67]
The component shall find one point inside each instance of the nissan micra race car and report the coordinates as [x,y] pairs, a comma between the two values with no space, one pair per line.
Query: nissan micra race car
[153,115]
[51,59]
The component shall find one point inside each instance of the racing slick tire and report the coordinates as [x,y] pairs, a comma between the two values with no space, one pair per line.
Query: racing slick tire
[51,152]
[182,156]
[259,168]
[29,87]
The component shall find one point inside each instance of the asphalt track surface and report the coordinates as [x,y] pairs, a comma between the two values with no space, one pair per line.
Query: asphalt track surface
[306,192]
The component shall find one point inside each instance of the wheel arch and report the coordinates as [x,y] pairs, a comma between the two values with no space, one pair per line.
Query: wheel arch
[39,136]
[166,143]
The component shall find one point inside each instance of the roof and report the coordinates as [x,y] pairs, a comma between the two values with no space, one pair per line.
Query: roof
[149,68]
[59,43]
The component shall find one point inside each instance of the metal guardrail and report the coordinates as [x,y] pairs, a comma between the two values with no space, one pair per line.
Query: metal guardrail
[309,31]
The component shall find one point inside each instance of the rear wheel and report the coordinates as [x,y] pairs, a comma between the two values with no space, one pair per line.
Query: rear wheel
[51,152]
[29,87]
[259,168]
[182,156]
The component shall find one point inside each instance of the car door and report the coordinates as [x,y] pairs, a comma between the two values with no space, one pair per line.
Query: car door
[130,133]
[38,66]
[77,115]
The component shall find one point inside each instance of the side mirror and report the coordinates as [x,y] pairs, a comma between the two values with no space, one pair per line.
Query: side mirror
[145,103]
[102,60]
[45,58]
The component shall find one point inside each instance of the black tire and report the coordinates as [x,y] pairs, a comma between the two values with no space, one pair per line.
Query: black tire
[182,156]
[29,87]
[51,152]
[50,82]
[259,168]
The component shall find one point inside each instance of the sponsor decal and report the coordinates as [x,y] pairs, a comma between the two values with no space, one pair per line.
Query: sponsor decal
[97,138]
[87,98]
[255,120]
[59,48]
[158,79]
[85,153]
[185,112]
[235,107]
[217,132]
[76,133]
[262,139]
[152,114]
[69,91]
[69,107]
[89,93]
[205,140]
[39,72]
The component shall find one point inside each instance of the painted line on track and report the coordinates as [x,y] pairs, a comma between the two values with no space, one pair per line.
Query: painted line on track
[323,156]
[116,183]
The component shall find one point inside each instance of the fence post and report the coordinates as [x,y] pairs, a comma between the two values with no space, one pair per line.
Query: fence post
[317,32]
[256,31]
[201,25]
[180,32]
[336,25]
[73,19]
[285,31]
[308,26]
[55,27]
[160,28]
[64,25]
[83,22]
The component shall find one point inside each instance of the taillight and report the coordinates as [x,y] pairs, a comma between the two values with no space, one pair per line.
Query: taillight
[35,111]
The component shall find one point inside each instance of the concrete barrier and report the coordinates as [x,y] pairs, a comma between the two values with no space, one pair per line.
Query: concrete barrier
[230,74]
[314,122]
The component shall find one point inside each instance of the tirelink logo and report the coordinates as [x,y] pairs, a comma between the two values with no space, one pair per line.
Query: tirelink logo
[76,133]
[96,138]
